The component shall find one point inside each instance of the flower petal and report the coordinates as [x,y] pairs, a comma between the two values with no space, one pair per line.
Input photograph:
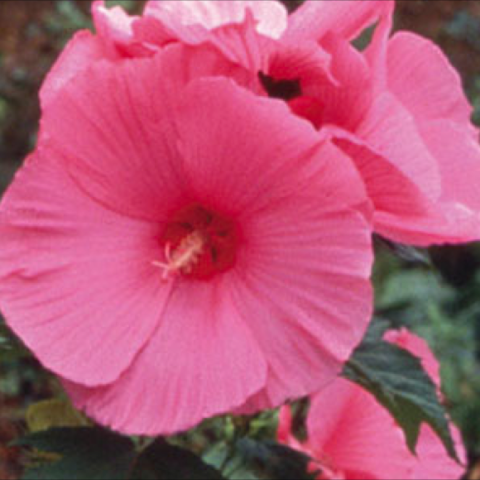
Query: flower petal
[270,153]
[347,426]
[456,217]
[125,154]
[458,158]
[391,130]
[422,78]
[432,461]
[308,277]
[76,280]
[347,103]
[308,262]
[81,52]
[270,17]
[346,18]
[388,188]
[115,28]
[202,361]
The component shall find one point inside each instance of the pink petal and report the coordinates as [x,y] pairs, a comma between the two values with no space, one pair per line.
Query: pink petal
[201,362]
[346,103]
[115,28]
[346,18]
[307,271]
[376,51]
[264,130]
[125,154]
[458,157]
[285,421]
[270,17]
[241,31]
[76,280]
[456,218]
[388,188]
[81,52]
[432,462]
[453,223]
[186,63]
[422,78]
[390,130]
[355,434]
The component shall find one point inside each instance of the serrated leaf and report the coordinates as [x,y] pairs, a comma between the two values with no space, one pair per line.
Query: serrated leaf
[85,452]
[162,461]
[398,381]
[53,413]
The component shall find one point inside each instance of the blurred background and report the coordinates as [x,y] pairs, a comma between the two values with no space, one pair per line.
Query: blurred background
[438,298]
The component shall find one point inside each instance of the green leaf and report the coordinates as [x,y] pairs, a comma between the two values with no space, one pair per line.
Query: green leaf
[249,459]
[91,453]
[162,461]
[398,381]
[98,454]
[53,413]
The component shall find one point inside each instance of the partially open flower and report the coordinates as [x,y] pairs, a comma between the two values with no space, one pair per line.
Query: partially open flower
[350,435]
[175,251]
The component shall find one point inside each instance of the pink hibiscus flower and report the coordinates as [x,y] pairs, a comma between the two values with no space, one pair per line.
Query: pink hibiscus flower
[397,108]
[175,252]
[350,435]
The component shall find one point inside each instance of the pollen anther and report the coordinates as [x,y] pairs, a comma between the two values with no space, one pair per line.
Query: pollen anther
[184,257]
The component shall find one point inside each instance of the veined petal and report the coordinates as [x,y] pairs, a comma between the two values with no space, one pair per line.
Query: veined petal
[360,439]
[77,282]
[202,361]
[392,131]
[456,216]
[79,54]
[346,18]
[307,264]
[112,126]
[421,77]
[236,173]
[115,28]
[432,461]
[270,16]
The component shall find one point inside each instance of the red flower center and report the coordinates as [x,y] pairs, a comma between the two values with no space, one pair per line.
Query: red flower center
[199,243]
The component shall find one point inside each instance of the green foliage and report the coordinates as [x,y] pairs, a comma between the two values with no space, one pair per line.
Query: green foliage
[162,461]
[98,454]
[398,381]
[91,453]
[67,19]
[443,306]
[249,459]
[131,6]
